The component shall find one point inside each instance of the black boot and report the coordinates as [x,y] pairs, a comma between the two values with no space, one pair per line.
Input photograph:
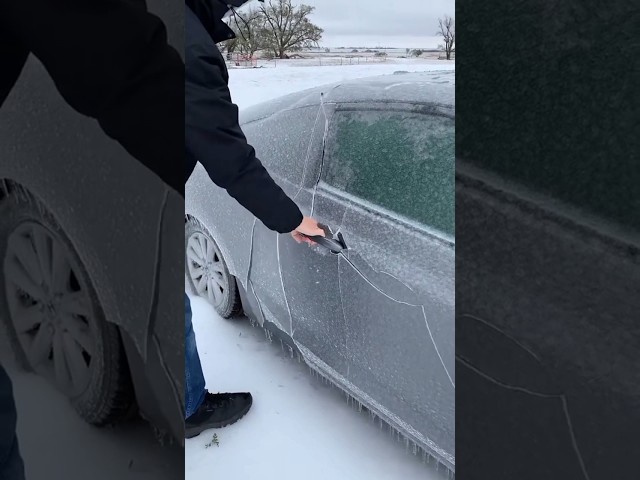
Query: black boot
[217,411]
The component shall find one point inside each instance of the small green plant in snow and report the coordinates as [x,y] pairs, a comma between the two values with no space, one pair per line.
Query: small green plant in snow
[214,441]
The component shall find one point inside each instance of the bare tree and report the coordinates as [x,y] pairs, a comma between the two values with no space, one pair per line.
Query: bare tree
[289,27]
[228,46]
[250,32]
[447,31]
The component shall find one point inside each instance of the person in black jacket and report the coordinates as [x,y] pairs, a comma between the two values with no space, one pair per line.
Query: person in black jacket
[213,137]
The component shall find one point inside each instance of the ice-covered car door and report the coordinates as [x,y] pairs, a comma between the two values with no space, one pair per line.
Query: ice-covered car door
[390,170]
[310,276]
[282,142]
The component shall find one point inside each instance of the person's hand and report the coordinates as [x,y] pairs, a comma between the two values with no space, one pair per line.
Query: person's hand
[308,227]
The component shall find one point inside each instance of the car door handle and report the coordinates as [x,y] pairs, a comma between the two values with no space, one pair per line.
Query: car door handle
[333,243]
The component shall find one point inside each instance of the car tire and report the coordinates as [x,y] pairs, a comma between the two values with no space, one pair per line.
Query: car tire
[206,271]
[79,352]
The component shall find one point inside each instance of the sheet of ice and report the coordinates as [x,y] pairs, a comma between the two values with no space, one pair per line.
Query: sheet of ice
[298,427]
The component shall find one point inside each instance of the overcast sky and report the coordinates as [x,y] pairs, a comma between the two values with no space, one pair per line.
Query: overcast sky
[386,23]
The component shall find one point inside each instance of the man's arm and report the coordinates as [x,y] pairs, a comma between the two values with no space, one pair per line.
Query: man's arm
[213,137]
[110,60]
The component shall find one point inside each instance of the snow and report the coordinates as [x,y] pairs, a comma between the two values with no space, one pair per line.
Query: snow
[53,438]
[250,86]
[298,427]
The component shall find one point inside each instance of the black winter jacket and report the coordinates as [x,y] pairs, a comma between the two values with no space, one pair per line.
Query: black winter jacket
[111,61]
[212,134]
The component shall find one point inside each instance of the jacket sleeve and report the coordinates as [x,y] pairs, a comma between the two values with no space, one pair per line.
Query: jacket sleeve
[111,61]
[214,138]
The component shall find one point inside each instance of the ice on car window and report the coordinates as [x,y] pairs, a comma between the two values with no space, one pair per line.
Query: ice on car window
[401,161]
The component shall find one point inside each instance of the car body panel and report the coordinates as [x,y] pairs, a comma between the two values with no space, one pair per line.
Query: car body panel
[265,277]
[406,281]
[514,312]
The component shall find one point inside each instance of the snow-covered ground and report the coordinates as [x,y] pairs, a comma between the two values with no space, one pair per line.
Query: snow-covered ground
[298,427]
[254,85]
[56,443]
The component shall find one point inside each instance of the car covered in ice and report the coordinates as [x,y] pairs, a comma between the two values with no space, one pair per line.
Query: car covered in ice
[372,309]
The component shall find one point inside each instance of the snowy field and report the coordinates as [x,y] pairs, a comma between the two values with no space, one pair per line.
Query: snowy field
[298,427]
[254,85]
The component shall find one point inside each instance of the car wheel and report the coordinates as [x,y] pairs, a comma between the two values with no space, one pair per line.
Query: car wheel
[207,273]
[53,318]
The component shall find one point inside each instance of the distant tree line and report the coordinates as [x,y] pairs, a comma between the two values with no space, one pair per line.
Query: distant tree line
[276,27]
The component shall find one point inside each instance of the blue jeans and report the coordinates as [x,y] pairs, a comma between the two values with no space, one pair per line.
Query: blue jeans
[194,391]
[11,466]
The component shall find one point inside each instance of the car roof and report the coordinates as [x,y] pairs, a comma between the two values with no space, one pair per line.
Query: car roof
[417,88]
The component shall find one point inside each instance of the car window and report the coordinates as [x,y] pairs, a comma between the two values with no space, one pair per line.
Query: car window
[401,161]
[281,141]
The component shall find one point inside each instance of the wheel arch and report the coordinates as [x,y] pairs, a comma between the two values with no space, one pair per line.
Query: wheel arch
[81,244]
[53,206]
[219,239]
